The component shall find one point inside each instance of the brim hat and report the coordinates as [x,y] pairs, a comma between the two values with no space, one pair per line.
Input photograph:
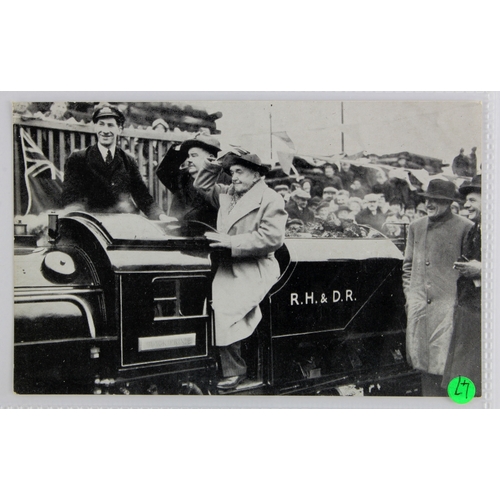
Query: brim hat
[470,186]
[330,190]
[300,193]
[105,110]
[371,197]
[203,141]
[290,222]
[440,189]
[250,161]
[282,187]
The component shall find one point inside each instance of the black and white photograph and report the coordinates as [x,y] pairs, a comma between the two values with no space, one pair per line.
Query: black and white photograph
[264,248]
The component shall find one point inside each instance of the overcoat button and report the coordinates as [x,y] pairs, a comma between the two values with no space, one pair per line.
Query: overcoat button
[429,301]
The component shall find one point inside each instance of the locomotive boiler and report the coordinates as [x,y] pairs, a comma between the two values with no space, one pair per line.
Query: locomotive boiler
[118,304]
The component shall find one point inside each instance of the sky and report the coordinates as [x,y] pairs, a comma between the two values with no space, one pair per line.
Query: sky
[430,128]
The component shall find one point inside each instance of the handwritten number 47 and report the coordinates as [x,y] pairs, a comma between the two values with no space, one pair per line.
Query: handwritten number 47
[462,383]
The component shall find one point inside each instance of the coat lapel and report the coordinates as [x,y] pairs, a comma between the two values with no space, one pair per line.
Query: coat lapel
[248,203]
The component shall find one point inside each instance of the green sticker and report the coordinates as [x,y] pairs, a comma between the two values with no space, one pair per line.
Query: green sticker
[461,390]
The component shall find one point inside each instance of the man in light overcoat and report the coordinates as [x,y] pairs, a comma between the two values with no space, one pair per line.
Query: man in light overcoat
[251,227]
[434,244]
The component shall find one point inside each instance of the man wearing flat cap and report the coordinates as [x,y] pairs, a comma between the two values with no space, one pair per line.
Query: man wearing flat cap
[297,206]
[177,172]
[464,358]
[102,177]
[251,223]
[435,243]
[371,215]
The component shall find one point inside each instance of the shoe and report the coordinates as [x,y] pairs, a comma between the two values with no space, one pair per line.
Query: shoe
[230,382]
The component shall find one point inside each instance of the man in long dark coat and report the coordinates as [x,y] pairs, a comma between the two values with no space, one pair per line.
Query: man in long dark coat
[464,358]
[102,177]
[435,243]
[177,172]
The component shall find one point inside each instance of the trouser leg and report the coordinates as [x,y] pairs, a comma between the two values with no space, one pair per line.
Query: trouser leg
[431,385]
[231,361]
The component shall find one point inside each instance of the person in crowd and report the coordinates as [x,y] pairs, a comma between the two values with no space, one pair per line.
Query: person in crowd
[355,205]
[410,211]
[434,244]
[464,357]
[322,210]
[395,221]
[420,211]
[177,172]
[297,206]
[455,207]
[342,197]
[461,164]
[330,179]
[383,203]
[306,185]
[382,185]
[160,125]
[329,193]
[251,224]
[102,177]
[357,189]
[293,227]
[58,111]
[283,190]
[371,215]
[344,214]
[346,174]
[314,202]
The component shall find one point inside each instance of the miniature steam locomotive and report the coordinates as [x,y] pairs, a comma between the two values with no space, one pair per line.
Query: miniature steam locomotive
[118,304]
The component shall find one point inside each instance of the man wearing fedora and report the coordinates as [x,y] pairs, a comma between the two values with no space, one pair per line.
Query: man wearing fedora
[464,358]
[251,223]
[102,177]
[177,172]
[435,243]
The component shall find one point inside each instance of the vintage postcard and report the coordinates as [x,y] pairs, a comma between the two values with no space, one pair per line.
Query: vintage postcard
[264,248]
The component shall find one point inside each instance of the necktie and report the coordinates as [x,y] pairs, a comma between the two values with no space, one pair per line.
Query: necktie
[109,158]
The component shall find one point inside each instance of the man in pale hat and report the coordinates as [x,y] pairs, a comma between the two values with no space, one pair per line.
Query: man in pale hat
[177,172]
[251,223]
[435,243]
[464,358]
[297,206]
[371,215]
[102,177]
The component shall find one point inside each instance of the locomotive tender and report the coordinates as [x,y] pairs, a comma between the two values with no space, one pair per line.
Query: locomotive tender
[118,304]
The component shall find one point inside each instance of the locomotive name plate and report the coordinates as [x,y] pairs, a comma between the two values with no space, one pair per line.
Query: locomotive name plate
[167,342]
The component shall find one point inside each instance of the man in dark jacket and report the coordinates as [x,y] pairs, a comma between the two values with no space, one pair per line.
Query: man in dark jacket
[177,172]
[102,177]
[371,215]
[297,206]
[464,357]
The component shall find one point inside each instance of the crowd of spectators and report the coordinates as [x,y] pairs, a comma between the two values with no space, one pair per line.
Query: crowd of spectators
[351,201]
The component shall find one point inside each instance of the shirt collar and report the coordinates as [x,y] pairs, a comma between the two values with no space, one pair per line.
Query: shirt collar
[104,151]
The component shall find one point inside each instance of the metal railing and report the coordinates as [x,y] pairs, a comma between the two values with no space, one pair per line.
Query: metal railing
[58,139]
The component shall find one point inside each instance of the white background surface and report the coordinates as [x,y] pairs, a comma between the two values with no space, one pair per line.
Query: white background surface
[222,46]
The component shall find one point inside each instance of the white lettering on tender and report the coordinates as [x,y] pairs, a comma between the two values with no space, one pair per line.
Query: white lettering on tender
[336,296]
[310,297]
[348,295]
[294,299]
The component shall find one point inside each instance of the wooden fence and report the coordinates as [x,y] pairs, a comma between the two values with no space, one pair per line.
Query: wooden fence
[58,140]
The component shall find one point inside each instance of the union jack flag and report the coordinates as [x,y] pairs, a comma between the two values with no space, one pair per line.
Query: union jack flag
[43,179]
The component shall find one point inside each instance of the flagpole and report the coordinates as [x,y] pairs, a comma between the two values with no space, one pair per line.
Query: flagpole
[342,123]
[271,134]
